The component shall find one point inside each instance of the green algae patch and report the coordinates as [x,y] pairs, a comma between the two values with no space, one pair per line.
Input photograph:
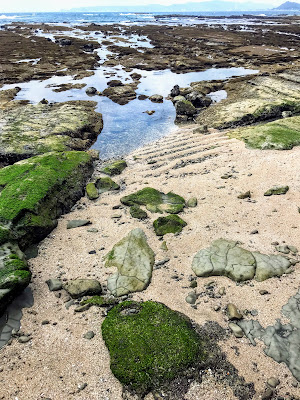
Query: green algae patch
[169,224]
[149,344]
[282,134]
[100,301]
[106,184]
[155,201]
[35,191]
[115,168]
[91,191]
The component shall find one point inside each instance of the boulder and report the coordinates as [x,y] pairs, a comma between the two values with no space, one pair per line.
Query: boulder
[83,287]
[175,91]
[156,98]
[36,191]
[198,100]
[14,273]
[91,90]
[185,107]
[29,130]
[155,201]
[137,212]
[106,184]
[134,260]
[91,191]
[169,224]
[225,257]
[114,168]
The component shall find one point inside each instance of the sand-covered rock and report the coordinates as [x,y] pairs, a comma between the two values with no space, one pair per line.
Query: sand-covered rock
[134,260]
[29,130]
[36,191]
[225,257]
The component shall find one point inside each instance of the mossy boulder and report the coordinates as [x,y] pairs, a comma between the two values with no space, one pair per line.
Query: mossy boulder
[29,130]
[282,134]
[114,168]
[14,273]
[91,191]
[134,259]
[185,107]
[155,201]
[169,224]
[106,184]
[149,344]
[36,191]
[137,212]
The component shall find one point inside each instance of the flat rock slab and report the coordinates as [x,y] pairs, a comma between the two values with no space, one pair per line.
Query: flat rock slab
[134,260]
[83,287]
[36,191]
[30,129]
[282,340]
[155,201]
[225,257]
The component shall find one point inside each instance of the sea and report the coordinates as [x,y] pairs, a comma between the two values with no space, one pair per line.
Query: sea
[126,127]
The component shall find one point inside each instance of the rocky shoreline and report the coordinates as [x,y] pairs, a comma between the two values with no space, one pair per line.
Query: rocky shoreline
[201,230]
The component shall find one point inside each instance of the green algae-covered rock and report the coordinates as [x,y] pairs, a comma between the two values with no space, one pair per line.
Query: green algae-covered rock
[91,191]
[137,212]
[185,107]
[106,184]
[134,260]
[149,344]
[227,258]
[14,273]
[29,130]
[34,192]
[169,224]
[155,201]
[277,190]
[100,301]
[115,168]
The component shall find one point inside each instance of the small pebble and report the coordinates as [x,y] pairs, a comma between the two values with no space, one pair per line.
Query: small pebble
[273,382]
[89,335]
[24,339]
[82,386]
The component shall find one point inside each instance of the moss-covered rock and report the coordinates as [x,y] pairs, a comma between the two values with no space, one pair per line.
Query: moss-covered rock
[276,190]
[100,301]
[155,201]
[114,168]
[149,344]
[282,134]
[26,131]
[137,212]
[106,184]
[36,191]
[91,191]
[169,224]
[14,273]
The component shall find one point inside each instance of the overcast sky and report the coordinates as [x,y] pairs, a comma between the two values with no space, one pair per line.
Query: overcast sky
[57,5]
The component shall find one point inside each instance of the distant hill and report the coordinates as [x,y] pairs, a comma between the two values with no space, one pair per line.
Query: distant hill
[185,7]
[288,5]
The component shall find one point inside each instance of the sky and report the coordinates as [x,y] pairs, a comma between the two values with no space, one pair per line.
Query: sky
[57,5]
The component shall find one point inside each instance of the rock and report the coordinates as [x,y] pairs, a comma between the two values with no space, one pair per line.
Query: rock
[276,190]
[82,308]
[222,291]
[267,394]
[30,130]
[36,191]
[198,100]
[64,42]
[91,90]
[178,98]
[254,232]
[121,94]
[135,76]
[156,98]
[164,246]
[142,97]
[175,91]
[54,284]
[76,223]
[91,191]
[191,298]
[273,382]
[155,201]
[226,176]
[203,129]
[100,301]
[293,249]
[82,287]
[232,312]
[114,83]
[263,292]
[14,273]
[82,386]
[150,112]
[236,330]
[107,184]
[24,339]
[283,249]
[185,107]
[193,284]
[115,168]
[169,224]
[225,257]
[192,202]
[134,260]
[246,195]
[137,212]
[128,330]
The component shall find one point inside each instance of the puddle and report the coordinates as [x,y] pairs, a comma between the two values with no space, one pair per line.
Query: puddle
[127,127]
[218,96]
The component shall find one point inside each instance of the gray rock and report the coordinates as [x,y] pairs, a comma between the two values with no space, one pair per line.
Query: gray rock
[24,339]
[54,284]
[225,257]
[175,91]
[236,330]
[76,223]
[134,260]
[293,249]
[191,298]
[283,249]
[192,202]
[245,195]
[273,382]
[89,335]
[83,287]
[91,90]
